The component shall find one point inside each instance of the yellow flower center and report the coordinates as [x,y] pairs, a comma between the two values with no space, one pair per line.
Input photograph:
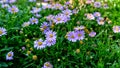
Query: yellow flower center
[101,22]
[51,35]
[39,43]
[66,13]
[117,29]
[9,55]
[58,19]
[72,36]
[58,7]
[13,9]
[1,32]
[33,21]
[79,35]
[48,65]
[44,27]
[34,57]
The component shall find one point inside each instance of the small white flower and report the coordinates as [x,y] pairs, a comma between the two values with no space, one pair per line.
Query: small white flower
[90,16]
[25,24]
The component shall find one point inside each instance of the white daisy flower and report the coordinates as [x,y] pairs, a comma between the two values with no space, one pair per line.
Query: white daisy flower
[25,24]
[90,16]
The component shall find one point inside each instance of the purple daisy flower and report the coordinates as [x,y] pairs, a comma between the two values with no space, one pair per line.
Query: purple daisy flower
[23,48]
[50,17]
[3,1]
[35,10]
[11,1]
[50,35]
[46,0]
[5,6]
[71,36]
[45,31]
[60,18]
[58,6]
[47,65]
[33,20]
[67,3]
[75,11]
[116,29]
[67,12]
[47,6]
[96,14]
[9,55]
[50,42]
[45,27]
[97,4]
[13,9]
[105,6]
[38,15]
[39,44]
[100,21]
[3,31]
[92,34]
[32,0]
[80,35]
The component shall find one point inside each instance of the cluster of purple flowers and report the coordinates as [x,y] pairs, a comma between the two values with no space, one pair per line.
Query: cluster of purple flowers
[32,21]
[61,17]
[75,35]
[97,4]
[55,6]
[78,34]
[100,20]
[5,5]
[96,15]
[36,11]
[7,1]
[50,40]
